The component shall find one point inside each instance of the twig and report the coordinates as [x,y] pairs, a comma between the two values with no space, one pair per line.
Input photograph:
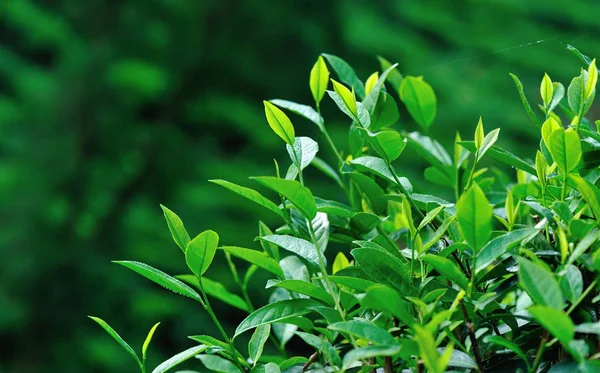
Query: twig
[387,364]
[472,337]
[311,360]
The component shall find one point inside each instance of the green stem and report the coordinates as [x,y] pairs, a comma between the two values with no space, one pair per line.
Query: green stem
[335,296]
[408,197]
[540,352]
[328,138]
[470,179]
[582,297]
[209,310]
[563,193]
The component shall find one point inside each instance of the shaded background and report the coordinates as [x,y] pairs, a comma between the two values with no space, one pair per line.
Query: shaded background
[108,108]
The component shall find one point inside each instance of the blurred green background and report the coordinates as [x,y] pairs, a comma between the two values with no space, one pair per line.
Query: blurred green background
[108,108]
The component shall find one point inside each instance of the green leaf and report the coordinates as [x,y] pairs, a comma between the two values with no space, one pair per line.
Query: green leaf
[588,366]
[216,290]
[488,141]
[388,144]
[302,110]
[590,193]
[161,279]
[250,194]
[431,150]
[478,138]
[379,167]
[348,99]
[448,269]
[368,352]
[279,122]
[304,151]
[592,79]
[352,282]
[180,235]
[371,192]
[373,95]
[257,342]
[326,169]
[458,359]
[303,287]
[540,284]
[276,312]
[501,155]
[383,298]
[320,226]
[565,148]
[394,78]
[297,194]
[576,93]
[271,249]
[420,100]
[526,105]
[572,284]
[585,59]
[546,90]
[149,339]
[366,330]
[428,352]
[559,94]
[201,251]
[117,338]
[340,262]
[255,257]
[385,113]
[382,267]
[370,83]
[218,364]
[500,245]
[557,322]
[474,215]
[345,73]
[321,345]
[266,368]
[179,358]
[319,77]
[503,342]
[549,126]
[304,249]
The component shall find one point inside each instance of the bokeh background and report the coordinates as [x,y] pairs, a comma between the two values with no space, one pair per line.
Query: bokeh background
[108,108]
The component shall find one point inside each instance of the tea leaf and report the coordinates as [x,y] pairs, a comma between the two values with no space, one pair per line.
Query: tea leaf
[276,312]
[148,339]
[565,148]
[590,193]
[303,287]
[117,338]
[572,284]
[546,90]
[394,78]
[340,262]
[321,345]
[540,284]
[255,257]
[279,122]
[361,353]
[346,73]
[179,358]
[297,194]
[381,267]
[592,79]
[549,126]
[352,282]
[180,235]
[257,342]
[503,342]
[448,269]
[304,249]
[370,83]
[501,155]
[271,249]
[383,298]
[201,251]
[216,290]
[388,144]
[373,94]
[478,138]
[250,194]
[302,110]
[526,105]
[348,99]
[428,352]
[458,358]
[474,215]
[326,169]
[379,167]
[365,330]
[266,368]
[488,141]
[161,279]
[501,245]
[218,364]
[557,322]
[420,100]
[319,77]
[559,94]
[305,149]
[576,93]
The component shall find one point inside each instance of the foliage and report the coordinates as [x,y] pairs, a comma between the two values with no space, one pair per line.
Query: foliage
[503,278]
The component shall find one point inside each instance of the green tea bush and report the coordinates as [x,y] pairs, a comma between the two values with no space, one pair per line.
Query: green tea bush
[502,278]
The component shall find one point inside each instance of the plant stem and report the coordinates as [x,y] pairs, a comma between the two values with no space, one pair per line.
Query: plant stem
[212,315]
[540,352]
[408,197]
[328,138]
[472,336]
[335,297]
[563,193]
[582,297]
[470,179]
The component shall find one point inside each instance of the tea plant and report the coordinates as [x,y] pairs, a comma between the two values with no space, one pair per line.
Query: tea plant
[502,278]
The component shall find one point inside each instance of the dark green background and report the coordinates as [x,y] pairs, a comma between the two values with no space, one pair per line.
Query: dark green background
[108,108]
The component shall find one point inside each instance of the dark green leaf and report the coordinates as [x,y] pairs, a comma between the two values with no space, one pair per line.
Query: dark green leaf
[526,105]
[216,290]
[297,194]
[161,279]
[303,287]
[540,284]
[255,257]
[346,73]
[448,269]
[298,246]
[500,245]
[218,364]
[366,330]
[361,353]
[382,267]
[275,312]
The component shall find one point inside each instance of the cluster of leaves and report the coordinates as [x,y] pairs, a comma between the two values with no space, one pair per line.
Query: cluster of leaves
[505,278]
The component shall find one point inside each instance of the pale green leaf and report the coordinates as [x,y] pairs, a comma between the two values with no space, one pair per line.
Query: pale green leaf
[361,353]
[180,235]
[257,342]
[557,322]
[565,148]
[319,77]
[218,364]
[304,151]
[500,245]
[302,110]
[474,215]
[149,339]
[279,122]
[304,249]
